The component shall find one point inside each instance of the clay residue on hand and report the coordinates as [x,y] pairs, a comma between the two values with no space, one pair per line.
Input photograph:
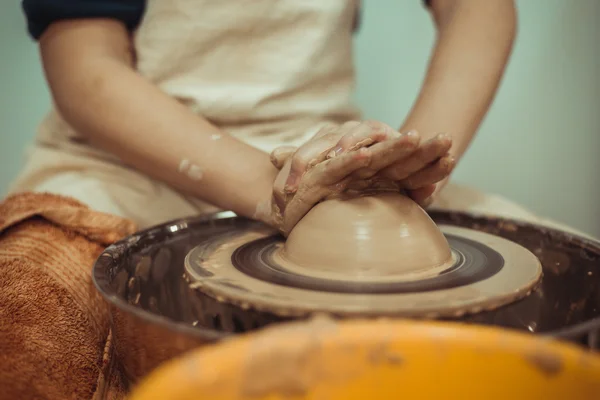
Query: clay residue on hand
[192,171]
[269,213]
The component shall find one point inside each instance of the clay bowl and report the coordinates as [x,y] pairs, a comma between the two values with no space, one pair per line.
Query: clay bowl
[348,237]
[154,312]
[378,360]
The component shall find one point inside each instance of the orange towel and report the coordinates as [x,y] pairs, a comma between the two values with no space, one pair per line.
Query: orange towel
[54,326]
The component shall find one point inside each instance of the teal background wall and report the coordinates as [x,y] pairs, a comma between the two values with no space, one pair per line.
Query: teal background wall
[546,118]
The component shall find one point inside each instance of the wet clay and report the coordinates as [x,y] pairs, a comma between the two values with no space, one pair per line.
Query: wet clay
[370,236]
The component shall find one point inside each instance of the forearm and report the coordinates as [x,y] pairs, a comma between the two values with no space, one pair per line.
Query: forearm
[109,103]
[472,49]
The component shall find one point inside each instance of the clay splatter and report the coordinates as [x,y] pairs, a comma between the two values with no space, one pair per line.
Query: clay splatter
[193,171]
[184,165]
[383,354]
[549,364]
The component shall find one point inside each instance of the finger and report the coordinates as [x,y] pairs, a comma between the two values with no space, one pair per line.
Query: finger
[310,154]
[434,173]
[362,135]
[335,169]
[425,155]
[372,184]
[389,152]
[423,195]
[279,193]
[280,155]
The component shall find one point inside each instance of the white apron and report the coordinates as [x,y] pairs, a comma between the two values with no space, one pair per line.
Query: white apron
[269,72]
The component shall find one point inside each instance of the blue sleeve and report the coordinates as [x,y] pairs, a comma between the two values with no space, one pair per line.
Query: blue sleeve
[41,13]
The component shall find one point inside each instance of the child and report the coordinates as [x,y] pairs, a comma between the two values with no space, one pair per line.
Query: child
[169,108]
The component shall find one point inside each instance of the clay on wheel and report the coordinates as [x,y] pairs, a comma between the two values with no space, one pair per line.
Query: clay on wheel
[378,235]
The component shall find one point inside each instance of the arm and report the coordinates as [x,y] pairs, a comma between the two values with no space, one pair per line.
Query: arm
[473,45]
[89,68]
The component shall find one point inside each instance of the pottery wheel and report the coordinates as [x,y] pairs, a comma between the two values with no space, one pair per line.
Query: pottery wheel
[247,269]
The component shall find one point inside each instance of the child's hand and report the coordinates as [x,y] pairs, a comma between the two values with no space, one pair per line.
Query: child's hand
[386,145]
[396,159]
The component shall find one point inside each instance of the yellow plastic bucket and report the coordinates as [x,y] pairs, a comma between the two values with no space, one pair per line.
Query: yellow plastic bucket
[391,359]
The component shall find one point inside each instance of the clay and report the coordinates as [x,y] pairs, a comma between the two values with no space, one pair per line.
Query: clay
[192,171]
[381,235]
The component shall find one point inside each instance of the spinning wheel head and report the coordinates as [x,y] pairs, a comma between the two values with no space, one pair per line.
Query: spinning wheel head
[381,256]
